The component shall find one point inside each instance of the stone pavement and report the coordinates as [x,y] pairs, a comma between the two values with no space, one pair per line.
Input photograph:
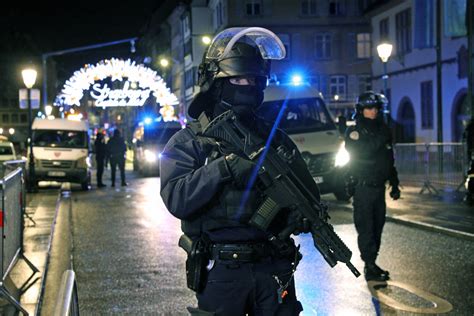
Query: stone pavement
[445,213]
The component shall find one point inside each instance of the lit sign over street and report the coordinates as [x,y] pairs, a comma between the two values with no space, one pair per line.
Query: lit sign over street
[139,83]
[105,96]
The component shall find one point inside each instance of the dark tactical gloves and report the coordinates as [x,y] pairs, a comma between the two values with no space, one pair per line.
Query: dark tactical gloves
[298,223]
[395,192]
[240,169]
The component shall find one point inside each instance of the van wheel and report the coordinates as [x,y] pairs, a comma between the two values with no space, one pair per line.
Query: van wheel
[86,185]
[341,195]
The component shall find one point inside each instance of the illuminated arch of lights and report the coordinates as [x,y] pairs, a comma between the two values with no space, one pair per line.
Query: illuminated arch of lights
[140,82]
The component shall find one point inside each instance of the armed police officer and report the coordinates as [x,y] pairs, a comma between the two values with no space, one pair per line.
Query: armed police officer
[232,266]
[369,143]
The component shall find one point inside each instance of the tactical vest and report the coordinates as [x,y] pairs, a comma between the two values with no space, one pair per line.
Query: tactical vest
[227,209]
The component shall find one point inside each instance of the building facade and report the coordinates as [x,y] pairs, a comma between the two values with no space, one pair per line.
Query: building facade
[410,26]
[328,43]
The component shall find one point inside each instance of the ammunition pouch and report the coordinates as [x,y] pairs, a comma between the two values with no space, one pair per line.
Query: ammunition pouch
[198,258]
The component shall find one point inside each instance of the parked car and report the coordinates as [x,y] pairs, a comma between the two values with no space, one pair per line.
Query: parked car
[7,150]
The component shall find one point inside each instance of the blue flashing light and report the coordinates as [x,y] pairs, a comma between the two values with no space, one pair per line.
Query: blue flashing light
[147,120]
[296,80]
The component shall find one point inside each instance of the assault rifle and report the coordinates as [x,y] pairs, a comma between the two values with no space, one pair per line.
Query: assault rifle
[281,188]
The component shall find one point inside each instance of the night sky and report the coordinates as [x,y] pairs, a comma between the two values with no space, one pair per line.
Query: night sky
[38,29]
[28,31]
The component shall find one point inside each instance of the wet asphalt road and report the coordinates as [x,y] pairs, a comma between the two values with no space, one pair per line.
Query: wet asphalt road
[127,262]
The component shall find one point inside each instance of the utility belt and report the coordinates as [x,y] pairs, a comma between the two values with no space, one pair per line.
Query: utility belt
[371,184]
[201,250]
[241,252]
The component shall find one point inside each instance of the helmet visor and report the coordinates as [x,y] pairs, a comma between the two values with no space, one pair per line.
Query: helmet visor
[268,43]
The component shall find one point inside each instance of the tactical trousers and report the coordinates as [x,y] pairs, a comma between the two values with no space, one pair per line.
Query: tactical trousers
[100,169]
[249,288]
[369,219]
[120,162]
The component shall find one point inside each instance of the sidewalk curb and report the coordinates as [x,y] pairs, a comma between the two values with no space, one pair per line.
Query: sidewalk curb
[431,227]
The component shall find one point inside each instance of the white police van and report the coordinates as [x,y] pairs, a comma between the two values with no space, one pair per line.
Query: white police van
[307,120]
[61,151]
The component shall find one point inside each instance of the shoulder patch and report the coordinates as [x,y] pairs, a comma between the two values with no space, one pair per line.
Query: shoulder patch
[354,135]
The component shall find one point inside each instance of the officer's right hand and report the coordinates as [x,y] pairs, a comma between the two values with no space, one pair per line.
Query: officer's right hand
[240,168]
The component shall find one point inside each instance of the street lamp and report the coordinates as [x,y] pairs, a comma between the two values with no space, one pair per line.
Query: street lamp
[29,79]
[385,50]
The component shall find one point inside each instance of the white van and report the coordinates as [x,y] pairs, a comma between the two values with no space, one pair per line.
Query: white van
[307,120]
[7,150]
[61,151]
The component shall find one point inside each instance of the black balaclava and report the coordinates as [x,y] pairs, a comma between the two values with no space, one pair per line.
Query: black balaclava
[242,99]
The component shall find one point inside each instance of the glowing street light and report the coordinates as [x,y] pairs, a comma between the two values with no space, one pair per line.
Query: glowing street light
[384,51]
[164,62]
[206,40]
[29,79]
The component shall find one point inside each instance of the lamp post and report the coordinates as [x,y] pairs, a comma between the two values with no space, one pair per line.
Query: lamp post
[385,50]
[29,79]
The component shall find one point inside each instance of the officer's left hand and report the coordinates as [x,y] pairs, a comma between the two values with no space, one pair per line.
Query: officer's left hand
[395,193]
[299,223]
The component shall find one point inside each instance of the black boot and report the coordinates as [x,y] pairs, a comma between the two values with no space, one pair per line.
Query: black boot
[374,273]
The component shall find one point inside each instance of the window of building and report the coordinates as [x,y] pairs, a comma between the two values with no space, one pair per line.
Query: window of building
[5,118]
[308,7]
[337,85]
[320,82]
[23,118]
[187,47]
[424,24]
[363,45]
[364,82]
[427,104]
[218,15]
[285,39]
[189,78]
[185,26]
[403,31]
[384,30]
[323,46]
[336,7]
[253,7]
[15,118]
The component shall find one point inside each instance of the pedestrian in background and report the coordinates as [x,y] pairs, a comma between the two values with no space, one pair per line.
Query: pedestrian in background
[117,149]
[369,144]
[234,268]
[100,153]
[469,139]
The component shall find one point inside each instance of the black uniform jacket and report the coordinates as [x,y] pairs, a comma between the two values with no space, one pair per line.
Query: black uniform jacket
[200,192]
[369,144]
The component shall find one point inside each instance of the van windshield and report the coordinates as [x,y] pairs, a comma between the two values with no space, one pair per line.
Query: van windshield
[5,150]
[301,115]
[63,139]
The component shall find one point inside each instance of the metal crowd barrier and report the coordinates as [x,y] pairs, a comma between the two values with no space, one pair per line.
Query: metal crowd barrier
[11,228]
[67,302]
[433,166]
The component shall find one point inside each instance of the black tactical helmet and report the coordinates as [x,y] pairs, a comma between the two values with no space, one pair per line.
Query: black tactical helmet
[368,100]
[236,52]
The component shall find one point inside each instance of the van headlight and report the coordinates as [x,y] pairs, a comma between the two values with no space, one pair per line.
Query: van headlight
[342,156]
[150,156]
[84,162]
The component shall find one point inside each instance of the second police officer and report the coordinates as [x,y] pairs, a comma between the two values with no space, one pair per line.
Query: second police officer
[369,143]
[203,184]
